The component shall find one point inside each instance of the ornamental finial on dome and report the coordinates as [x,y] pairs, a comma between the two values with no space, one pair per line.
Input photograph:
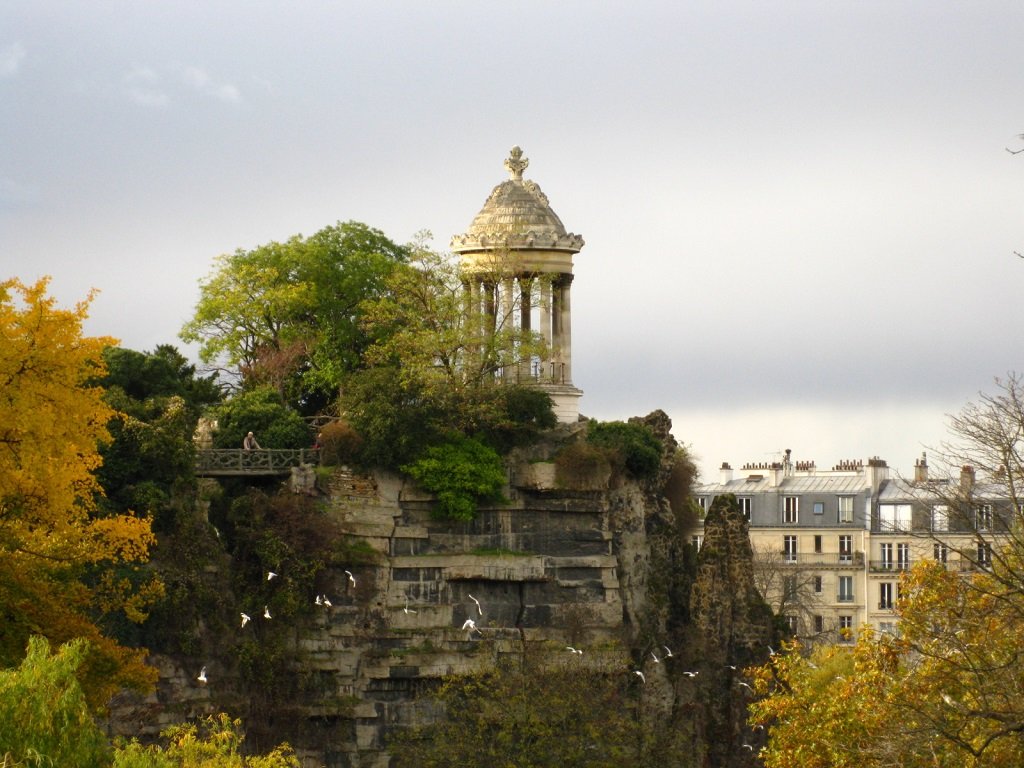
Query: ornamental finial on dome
[516,164]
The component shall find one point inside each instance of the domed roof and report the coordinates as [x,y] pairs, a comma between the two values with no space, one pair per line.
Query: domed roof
[517,215]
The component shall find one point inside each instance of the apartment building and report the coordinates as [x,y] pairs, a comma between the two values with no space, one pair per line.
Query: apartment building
[830,545]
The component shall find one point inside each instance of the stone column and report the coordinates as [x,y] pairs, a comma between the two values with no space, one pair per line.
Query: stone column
[545,323]
[555,368]
[565,322]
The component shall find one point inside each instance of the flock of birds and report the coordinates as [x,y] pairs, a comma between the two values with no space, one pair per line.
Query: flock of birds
[321,600]
[470,627]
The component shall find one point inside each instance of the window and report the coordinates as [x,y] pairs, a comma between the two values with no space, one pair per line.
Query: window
[886,561]
[817,544]
[702,502]
[819,624]
[817,584]
[887,627]
[903,556]
[940,517]
[894,517]
[885,593]
[984,554]
[983,517]
[846,509]
[846,628]
[819,507]
[789,548]
[845,549]
[941,552]
[789,589]
[791,510]
[744,502]
[698,542]
[845,589]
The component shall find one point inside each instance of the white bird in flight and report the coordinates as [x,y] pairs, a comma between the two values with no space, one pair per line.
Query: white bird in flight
[266,612]
[326,602]
[574,650]
[640,674]
[668,652]
[271,575]
[245,619]
[407,609]
[745,685]
[691,674]
[479,610]
[656,659]
[318,601]
[202,676]
[351,578]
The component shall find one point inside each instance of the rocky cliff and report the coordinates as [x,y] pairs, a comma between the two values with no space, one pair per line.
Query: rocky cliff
[606,566]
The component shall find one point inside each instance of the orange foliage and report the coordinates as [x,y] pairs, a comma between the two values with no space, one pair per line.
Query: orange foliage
[52,544]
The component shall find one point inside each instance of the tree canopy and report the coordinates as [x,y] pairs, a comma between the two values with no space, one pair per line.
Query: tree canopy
[289,314]
[58,551]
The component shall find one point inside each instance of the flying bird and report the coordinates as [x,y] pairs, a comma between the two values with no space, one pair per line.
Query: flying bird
[574,650]
[266,612]
[479,610]
[691,674]
[668,652]
[745,685]
[326,602]
[351,578]
[640,674]
[271,575]
[656,659]
[245,619]
[318,601]
[202,676]
[747,746]
[407,609]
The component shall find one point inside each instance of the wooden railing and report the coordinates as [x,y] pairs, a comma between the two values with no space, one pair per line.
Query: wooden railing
[263,461]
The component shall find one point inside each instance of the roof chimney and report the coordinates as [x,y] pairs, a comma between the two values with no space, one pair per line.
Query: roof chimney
[726,472]
[966,479]
[921,469]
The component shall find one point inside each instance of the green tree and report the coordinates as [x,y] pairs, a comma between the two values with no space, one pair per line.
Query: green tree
[552,711]
[437,364]
[44,717]
[262,411]
[213,742]
[289,314]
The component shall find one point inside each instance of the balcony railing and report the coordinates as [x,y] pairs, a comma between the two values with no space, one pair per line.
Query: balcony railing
[263,461]
[848,559]
[884,566]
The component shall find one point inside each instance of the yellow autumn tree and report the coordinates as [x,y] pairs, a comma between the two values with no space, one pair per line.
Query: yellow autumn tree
[64,568]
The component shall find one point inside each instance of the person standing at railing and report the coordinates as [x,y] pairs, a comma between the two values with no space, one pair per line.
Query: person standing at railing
[249,443]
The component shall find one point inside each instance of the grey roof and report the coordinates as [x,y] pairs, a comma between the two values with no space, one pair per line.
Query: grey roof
[838,484]
[517,215]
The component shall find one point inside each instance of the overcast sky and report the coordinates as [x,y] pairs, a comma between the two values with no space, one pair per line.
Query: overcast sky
[800,217]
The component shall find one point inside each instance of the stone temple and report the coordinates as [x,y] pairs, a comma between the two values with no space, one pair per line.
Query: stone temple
[519,255]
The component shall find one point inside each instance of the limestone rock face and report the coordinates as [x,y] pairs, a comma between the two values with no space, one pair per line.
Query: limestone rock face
[604,570]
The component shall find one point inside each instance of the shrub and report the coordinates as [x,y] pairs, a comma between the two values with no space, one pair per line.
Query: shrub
[634,446]
[460,472]
[339,443]
[579,466]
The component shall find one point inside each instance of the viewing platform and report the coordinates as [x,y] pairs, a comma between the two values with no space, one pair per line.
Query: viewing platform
[220,462]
